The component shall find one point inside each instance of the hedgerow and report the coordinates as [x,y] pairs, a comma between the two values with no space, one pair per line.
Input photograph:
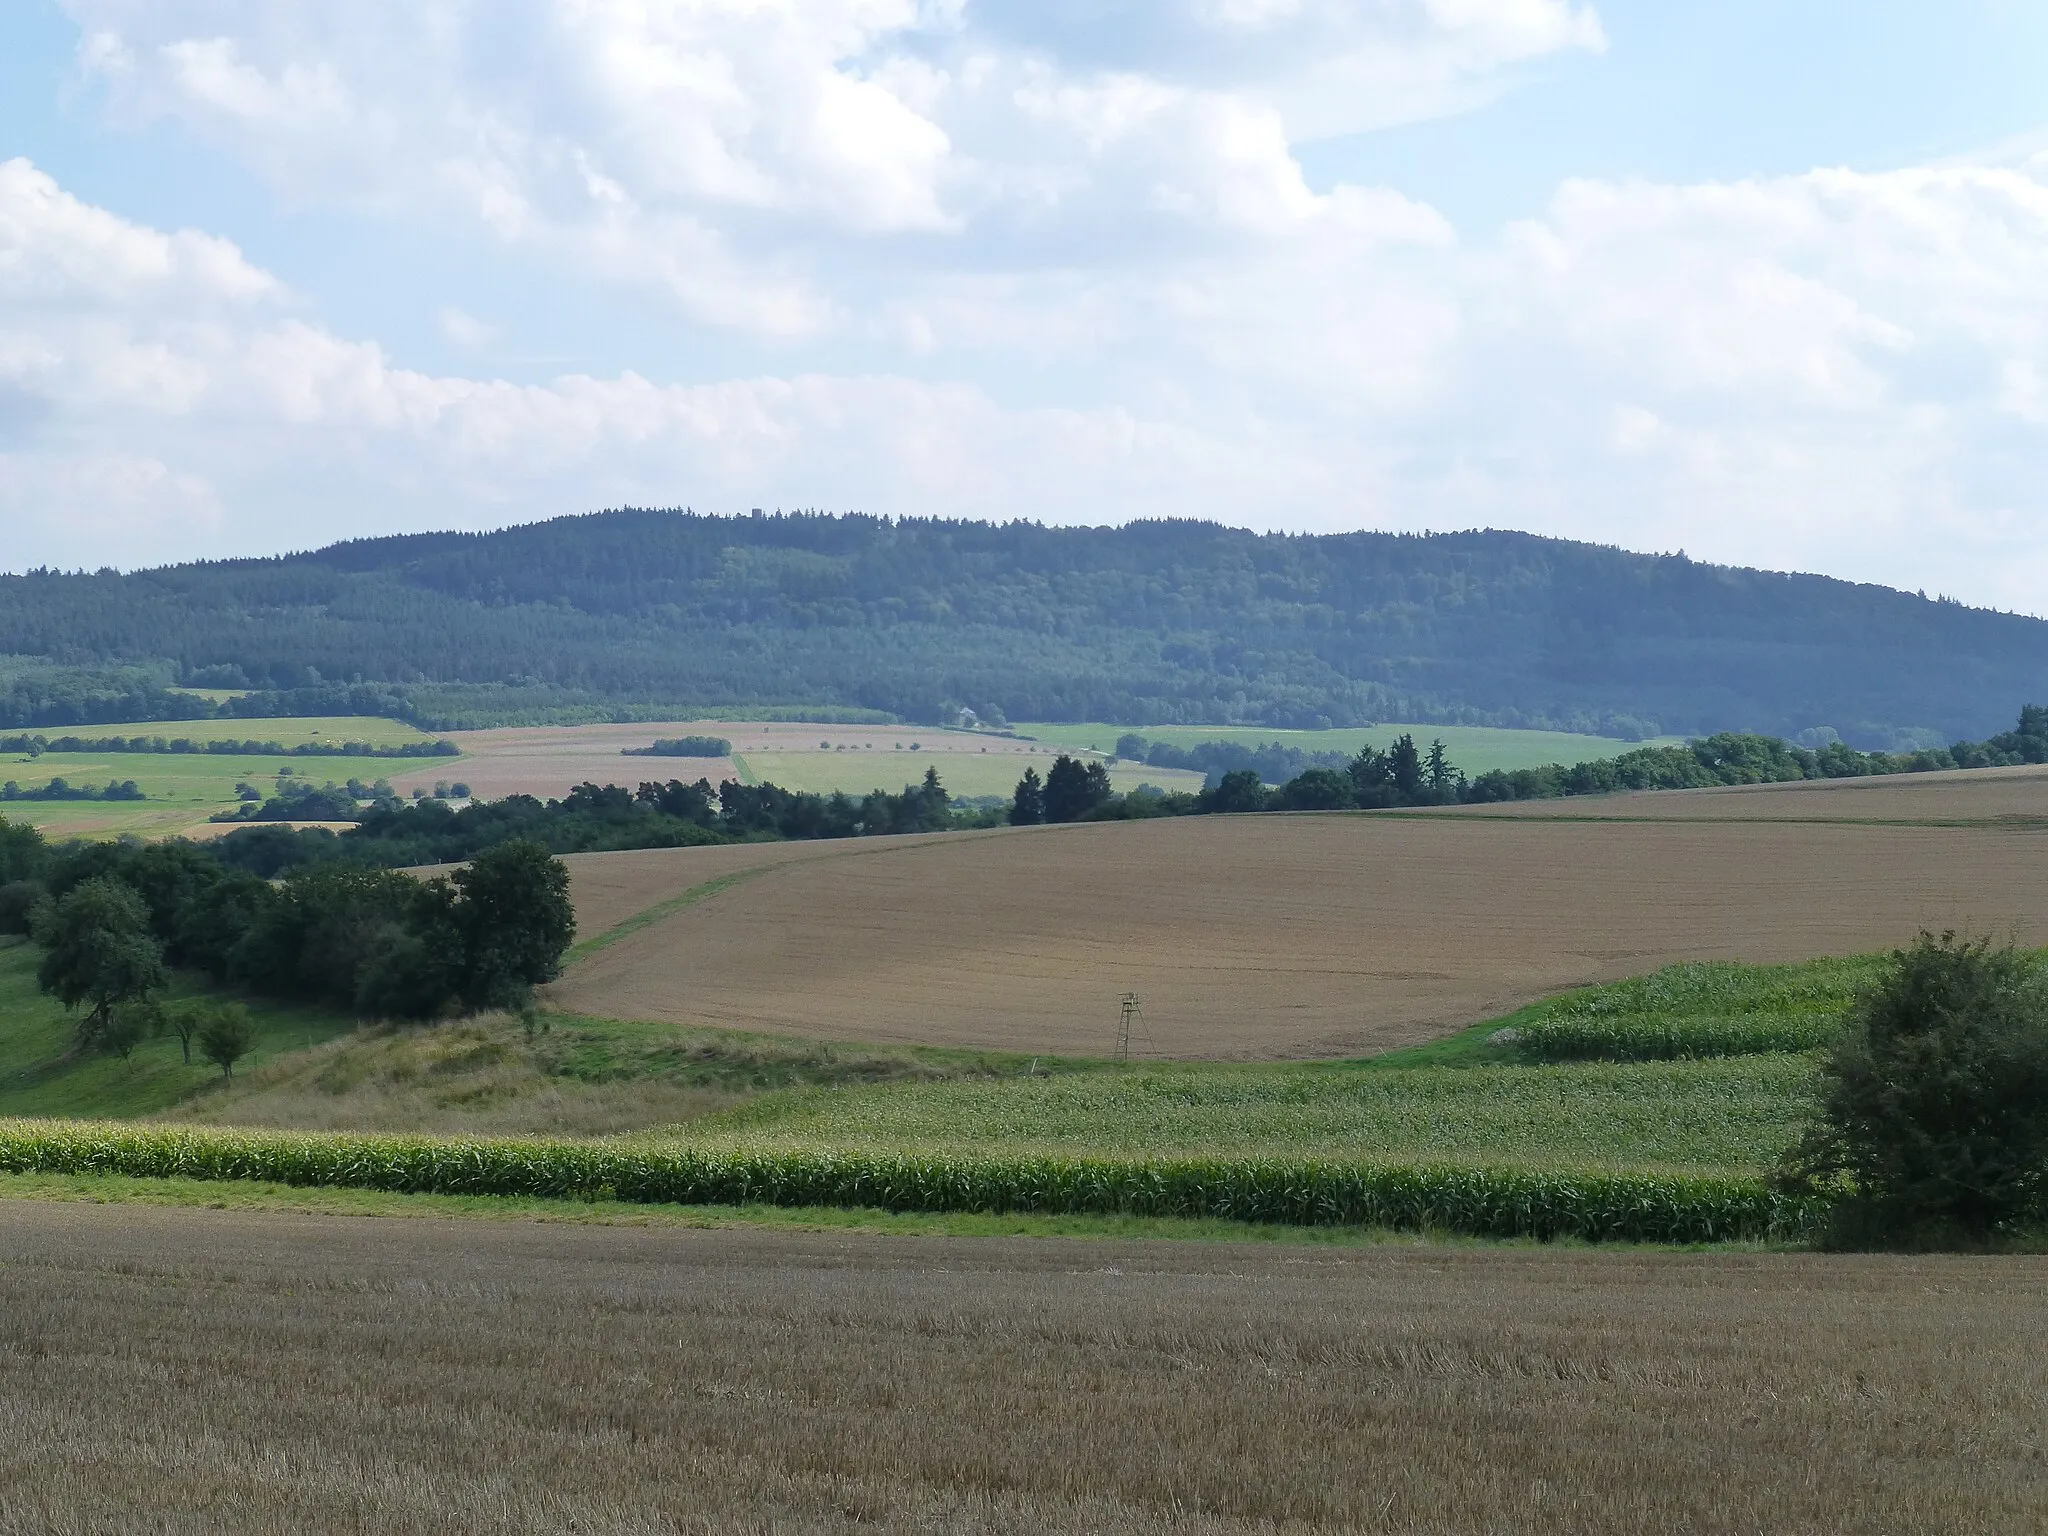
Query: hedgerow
[1478,1201]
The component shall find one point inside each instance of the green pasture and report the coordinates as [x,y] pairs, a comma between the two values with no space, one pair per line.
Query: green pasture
[183,788]
[1474,748]
[970,773]
[329,730]
[40,1076]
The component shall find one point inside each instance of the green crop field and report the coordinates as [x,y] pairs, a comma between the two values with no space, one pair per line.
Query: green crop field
[1730,1114]
[1476,749]
[183,788]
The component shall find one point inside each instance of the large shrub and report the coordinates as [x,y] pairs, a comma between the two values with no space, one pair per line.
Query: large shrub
[1933,1115]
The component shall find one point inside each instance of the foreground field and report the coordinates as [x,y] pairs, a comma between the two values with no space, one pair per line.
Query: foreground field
[1273,936]
[334,1374]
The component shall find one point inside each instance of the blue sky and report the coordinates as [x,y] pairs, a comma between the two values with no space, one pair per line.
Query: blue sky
[1768,282]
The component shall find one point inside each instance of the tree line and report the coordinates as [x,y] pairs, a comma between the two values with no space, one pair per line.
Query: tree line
[35,745]
[115,919]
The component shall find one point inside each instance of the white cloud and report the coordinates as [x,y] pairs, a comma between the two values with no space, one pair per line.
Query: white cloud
[1050,258]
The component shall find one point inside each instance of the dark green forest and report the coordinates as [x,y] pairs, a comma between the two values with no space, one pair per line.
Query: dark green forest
[640,614]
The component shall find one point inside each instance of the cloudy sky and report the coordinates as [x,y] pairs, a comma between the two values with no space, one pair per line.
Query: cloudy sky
[1766,280]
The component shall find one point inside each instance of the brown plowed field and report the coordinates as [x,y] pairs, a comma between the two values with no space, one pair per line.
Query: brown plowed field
[1978,794]
[1271,936]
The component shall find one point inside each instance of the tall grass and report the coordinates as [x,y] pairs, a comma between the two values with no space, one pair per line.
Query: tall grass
[1476,1200]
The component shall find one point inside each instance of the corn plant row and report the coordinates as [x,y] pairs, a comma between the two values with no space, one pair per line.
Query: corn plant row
[1478,1201]
[1606,1037]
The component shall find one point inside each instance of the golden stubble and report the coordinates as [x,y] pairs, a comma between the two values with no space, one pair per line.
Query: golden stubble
[177,1370]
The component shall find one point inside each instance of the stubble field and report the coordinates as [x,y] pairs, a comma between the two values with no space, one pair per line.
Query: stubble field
[180,1370]
[1279,936]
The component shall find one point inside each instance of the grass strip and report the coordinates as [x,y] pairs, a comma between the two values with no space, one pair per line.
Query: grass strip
[248,1195]
[1469,1200]
[660,910]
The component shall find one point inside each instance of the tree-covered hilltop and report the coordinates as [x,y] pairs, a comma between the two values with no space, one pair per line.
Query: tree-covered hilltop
[641,613]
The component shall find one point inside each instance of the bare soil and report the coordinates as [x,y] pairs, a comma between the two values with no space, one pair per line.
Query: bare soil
[188,1370]
[1269,936]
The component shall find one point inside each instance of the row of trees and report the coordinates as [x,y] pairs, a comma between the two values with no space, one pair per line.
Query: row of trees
[115,918]
[36,744]
[594,818]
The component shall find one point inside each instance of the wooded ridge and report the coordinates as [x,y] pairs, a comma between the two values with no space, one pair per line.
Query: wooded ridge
[641,614]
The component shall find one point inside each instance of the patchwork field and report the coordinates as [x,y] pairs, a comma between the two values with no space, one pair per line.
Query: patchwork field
[325,730]
[278,1371]
[183,789]
[1276,936]
[548,761]
[1474,748]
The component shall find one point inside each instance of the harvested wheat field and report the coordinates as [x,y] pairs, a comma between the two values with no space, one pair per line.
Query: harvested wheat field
[182,1370]
[1989,795]
[1276,936]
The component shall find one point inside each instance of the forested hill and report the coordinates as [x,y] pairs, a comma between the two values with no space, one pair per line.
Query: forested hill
[662,612]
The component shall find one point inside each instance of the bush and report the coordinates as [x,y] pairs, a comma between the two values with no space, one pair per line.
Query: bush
[1933,1118]
[225,1036]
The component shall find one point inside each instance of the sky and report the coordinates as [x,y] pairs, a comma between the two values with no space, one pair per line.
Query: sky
[1763,280]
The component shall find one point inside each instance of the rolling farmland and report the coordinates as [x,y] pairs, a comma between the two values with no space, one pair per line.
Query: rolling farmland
[548,761]
[1289,936]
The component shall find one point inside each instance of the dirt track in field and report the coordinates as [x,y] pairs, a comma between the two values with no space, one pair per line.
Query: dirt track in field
[1269,936]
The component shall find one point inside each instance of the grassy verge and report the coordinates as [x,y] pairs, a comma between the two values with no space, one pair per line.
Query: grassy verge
[1479,1201]
[206,1194]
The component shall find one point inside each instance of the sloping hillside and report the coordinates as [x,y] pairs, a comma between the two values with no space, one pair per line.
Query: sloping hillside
[585,617]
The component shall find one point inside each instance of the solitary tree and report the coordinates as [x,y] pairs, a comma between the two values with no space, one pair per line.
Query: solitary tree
[1073,789]
[1934,1106]
[1028,809]
[1238,790]
[99,955]
[225,1036]
[516,921]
